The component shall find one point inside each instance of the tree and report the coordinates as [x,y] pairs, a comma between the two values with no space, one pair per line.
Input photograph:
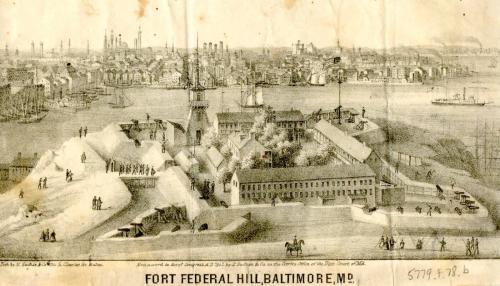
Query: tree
[226,151]
[211,138]
[317,157]
[224,176]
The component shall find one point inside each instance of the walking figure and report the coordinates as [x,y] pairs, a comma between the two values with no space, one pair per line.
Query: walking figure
[147,117]
[85,131]
[40,184]
[45,182]
[94,203]
[476,246]
[21,194]
[468,251]
[381,242]
[83,157]
[402,244]
[472,247]
[67,174]
[273,201]
[443,244]
[363,112]
[80,131]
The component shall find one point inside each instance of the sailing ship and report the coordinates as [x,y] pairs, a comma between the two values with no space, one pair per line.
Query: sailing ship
[317,79]
[493,63]
[31,109]
[459,99]
[120,100]
[252,97]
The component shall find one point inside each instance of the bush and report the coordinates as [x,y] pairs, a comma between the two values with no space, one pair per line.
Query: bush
[249,231]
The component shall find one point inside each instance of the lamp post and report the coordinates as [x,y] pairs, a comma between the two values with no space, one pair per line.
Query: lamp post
[339,81]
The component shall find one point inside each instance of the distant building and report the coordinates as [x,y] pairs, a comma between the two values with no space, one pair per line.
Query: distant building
[342,184]
[243,145]
[346,147]
[291,121]
[215,160]
[4,172]
[227,123]
[22,167]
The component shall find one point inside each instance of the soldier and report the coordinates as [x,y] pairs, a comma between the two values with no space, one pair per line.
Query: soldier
[47,234]
[402,244]
[363,112]
[472,246]
[443,244]
[80,131]
[295,242]
[392,242]
[83,157]
[67,174]
[85,131]
[94,203]
[273,201]
[147,117]
[45,182]
[40,184]
[386,241]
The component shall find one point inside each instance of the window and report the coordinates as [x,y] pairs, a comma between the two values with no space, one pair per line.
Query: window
[343,183]
[296,185]
[264,195]
[307,185]
[274,186]
[343,192]
[242,196]
[322,184]
[300,185]
[327,184]
[243,187]
[370,192]
[285,185]
[338,183]
[370,182]
[281,186]
[307,194]
[269,186]
[349,192]
[354,182]
[355,192]
[317,184]
[301,195]
[253,187]
[258,187]
[349,182]
[264,187]
[361,182]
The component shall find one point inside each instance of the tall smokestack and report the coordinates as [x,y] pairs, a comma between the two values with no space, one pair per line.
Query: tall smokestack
[41,49]
[32,48]
[69,45]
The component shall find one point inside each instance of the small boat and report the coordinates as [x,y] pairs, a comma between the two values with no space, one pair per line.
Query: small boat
[33,118]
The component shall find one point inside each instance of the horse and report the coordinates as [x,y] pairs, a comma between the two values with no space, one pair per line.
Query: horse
[290,247]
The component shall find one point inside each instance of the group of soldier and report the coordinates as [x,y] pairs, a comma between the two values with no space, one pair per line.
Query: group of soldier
[48,236]
[42,183]
[388,243]
[129,168]
[96,203]
[83,131]
[472,247]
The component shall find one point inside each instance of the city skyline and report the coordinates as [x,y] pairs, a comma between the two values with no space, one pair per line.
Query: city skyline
[275,24]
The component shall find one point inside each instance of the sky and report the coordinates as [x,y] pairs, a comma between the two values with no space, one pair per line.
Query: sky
[250,23]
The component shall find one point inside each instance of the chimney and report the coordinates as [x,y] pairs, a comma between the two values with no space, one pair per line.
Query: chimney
[19,155]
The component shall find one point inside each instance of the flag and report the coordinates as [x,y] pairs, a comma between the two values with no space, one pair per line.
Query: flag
[336,60]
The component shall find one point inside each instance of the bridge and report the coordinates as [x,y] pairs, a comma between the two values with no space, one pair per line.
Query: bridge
[132,181]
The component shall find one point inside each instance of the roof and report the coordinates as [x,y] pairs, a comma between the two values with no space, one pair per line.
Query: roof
[215,156]
[303,173]
[224,117]
[247,144]
[289,115]
[346,142]
[4,166]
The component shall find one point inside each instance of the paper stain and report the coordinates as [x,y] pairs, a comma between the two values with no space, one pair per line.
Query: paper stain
[289,4]
[88,8]
[142,7]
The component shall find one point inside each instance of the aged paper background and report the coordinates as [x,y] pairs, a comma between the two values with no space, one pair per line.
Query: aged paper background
[379,25]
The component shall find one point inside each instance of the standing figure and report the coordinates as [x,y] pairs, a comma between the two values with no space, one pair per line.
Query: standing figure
[94,203]
[443,244]
[363,112]
[147,117]
[80,131]
[476,246]
[40,184]
[53,236]
[99,203]
[381,242]
[402,244]
[472,246]
[85,131]
[67,174]
[83,157]
[21,194]
[45,182]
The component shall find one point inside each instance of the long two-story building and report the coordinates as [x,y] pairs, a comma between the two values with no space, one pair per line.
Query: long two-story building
[328,184]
